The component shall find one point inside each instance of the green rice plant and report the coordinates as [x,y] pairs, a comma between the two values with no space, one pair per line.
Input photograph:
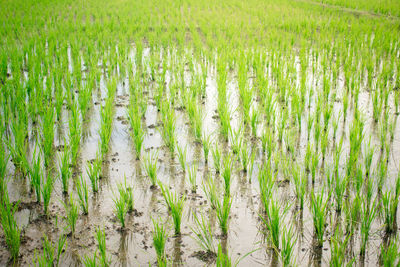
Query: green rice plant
[225,118]
[335,124]
[236,140]
[169,125]
[254,120]
[101,240]
[245,157]
[137,133]
[126,193]
[47,189]
[389,209]
[182,157]
[48,133]
[300,184]
[88,261]
[216,154]
[19,147]
[222,259]
[83,194]
[203,233]
[206,141]
[72,212]
[159,239]
[120,209]
[319,210]
[75,132]
[340,186]
[338,247]
[266,179]
[93,171]
[368,156]
[390,255]
[273,220]
[310,122]
[49,258]
[106,115]
[288,241]
[227,167]
[210,190]
[12,232]
[314,165]
[368,215]
[175,204]
[223,210]
[150,166]
[36,174]
[65,171]
[192,177]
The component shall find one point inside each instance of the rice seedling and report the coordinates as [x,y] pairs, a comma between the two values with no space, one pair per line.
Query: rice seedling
[46,191]
[137,134]
[126,193]
[266,178]
[88,261]
[93,171]
[168,121]
[192,177]
[159,239]
[340,186]
[175,204]
[389,209]
[48,134]
[49,258]
[222,259]
[101,240]
[216,154]
[390,255]
[300,185]
[319,209]
[223,210]
[120,209]
[236,139]
[227,166]
[206,141]
[203,234]
[274,217]
[288,241]
[12,232]
[72,212]
[150,166]
[36,174]
[338,244]
[83,194]
[368,211]
[182,157]
[65,171]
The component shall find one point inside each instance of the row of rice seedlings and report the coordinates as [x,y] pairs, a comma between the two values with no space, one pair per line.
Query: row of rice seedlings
[175,205]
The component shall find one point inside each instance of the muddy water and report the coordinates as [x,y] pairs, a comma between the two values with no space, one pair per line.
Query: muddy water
[133,246]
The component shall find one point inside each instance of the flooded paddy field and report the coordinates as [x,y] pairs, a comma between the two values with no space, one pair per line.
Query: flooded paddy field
[204,144]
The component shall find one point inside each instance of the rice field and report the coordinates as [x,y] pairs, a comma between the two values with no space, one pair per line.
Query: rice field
[199,133]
